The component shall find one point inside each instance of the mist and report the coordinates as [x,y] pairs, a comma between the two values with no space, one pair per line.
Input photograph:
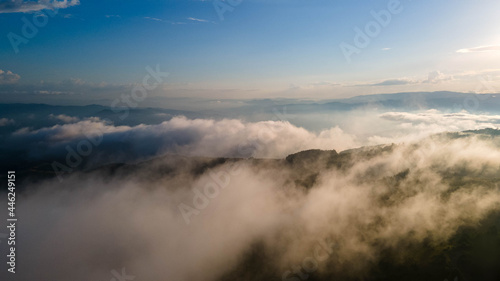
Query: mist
[202,219]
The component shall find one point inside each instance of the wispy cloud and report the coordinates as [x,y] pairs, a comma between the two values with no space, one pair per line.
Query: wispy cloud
[20,6]
[392,82]
[155,19]
[162,20]
[198,20]
[385,49]
[491,48]
[433,77]
[64,118]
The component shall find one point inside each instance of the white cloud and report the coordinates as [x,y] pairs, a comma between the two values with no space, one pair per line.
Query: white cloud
[64,118]
[21,6]
[200,137]
[433,77]
[6,122]
[394,82]
[236,138]
[162,20]
[416,126]
[132,220]
[436,77]
[454,121]
[45,92]
[7,77]
[196,19]
[491,48]
[154,19]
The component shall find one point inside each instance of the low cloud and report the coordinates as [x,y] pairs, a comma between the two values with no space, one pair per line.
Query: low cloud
[64,118]
[198,137]
[393,82]
[413,127]
[6,122]
[433,77]
[232,137]
[261,224]
[451,121]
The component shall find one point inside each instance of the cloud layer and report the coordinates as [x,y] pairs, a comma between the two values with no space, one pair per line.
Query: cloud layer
[104,222]
[109,143]
[491,48]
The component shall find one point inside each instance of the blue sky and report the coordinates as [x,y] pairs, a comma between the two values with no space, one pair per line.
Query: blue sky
[274,48]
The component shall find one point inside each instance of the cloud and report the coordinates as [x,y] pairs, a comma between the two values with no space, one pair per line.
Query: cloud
[154,19]
[436,77]
[45,92]
[416,126]
[198,137]
[129,217]
[198,20]
[491,48]
[7,77]
[6,122]
[323,83]
[393,82]
[229,137]
[64,118]
[257,216]
[233,137]
[21,6]
[162,20]
[453,121]
[74,87]
[433,77]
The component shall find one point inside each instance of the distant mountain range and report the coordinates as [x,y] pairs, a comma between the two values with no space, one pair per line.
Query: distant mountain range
[36,115]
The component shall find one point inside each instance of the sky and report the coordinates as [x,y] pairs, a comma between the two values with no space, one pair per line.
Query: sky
[245,49]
